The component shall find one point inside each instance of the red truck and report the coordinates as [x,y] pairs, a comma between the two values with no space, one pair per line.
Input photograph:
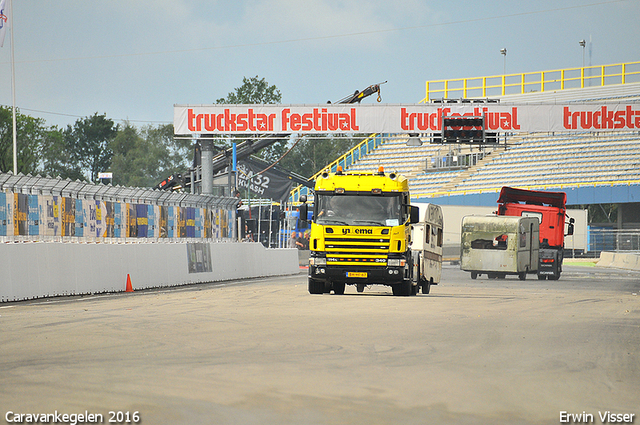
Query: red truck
[550,209]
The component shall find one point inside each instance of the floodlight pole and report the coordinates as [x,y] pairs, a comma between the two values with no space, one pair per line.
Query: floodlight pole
[13,92]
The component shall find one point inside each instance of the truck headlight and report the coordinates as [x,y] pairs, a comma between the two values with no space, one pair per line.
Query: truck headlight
[396,262]
[317,261]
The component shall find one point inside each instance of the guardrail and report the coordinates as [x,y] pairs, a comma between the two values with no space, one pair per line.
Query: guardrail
[539,81]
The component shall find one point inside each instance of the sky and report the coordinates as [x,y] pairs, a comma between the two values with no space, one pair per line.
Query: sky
[134,59]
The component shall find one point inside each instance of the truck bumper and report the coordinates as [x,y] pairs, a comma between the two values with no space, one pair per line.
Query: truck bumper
[355,275]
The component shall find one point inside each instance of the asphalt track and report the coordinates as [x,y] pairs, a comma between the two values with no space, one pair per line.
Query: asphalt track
[266,352]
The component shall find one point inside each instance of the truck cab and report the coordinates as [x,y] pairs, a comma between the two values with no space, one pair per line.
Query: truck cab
[361,233]
[550,210]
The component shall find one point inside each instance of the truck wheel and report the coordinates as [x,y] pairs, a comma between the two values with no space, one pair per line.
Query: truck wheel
[403,289]
[426,286]
[316,286]
[541,277]
[474,275]
[360,287]
[338,288]
[554,277]
[522,276]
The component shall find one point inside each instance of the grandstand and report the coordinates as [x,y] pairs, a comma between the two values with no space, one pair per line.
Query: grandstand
[538,160]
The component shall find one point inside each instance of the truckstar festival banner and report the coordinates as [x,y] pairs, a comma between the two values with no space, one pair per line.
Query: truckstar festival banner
[421,118]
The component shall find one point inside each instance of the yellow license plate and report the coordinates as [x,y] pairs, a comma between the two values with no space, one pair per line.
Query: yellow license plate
[356,274]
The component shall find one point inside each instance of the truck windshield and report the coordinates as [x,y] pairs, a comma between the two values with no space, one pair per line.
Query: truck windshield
[359,210]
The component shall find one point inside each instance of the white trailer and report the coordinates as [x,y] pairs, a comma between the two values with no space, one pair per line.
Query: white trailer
[499,246]
[426,246]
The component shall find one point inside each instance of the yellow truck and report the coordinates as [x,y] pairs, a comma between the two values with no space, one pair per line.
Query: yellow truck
[361,234]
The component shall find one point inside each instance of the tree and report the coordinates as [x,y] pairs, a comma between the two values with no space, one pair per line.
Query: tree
[257,90]
[30,134]
[252,91]
[144,157]
[57,160]
[89,141]
[80,151]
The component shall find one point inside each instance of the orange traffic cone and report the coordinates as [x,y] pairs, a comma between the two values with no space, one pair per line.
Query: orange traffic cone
[129,287]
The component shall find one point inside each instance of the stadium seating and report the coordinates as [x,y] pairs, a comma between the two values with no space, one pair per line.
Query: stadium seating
[538,160]
[526,160]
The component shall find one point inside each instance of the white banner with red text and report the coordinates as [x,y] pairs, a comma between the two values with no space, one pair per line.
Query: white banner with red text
[389,118]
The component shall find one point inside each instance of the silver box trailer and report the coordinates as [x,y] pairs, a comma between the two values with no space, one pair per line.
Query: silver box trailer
[499,245]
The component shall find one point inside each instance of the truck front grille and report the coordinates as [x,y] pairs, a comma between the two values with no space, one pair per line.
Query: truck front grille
[357,251]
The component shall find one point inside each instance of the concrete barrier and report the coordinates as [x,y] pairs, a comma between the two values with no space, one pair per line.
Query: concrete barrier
[619,260]
[606,259]
[34,270]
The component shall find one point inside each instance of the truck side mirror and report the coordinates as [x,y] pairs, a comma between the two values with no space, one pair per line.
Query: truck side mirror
[414,214]
[570,227]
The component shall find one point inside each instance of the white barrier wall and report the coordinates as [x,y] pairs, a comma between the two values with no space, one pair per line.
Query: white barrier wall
[620,260]
[33,270]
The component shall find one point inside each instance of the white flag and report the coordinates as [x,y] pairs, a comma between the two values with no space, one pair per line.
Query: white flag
[3,21]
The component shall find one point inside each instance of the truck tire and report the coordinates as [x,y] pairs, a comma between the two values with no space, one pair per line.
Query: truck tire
[426,286]
[403,289]
[338,288]
[316,286]
[541,277]
[522,276]
[360,287]
[474,275]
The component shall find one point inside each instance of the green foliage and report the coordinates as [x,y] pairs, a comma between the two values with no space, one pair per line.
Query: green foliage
[58,160]
[89,141]
[253,91]
[257,90]
[30,137]
[80,151]
[312,154]
[144,157]
[137,157]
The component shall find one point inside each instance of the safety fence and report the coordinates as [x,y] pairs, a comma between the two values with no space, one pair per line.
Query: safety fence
[34,208]
[614,240]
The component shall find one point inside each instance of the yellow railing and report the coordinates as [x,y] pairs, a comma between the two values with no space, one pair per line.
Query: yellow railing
[559,79]
[350,157]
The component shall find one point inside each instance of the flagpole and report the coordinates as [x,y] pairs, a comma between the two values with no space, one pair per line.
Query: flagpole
[13,92]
